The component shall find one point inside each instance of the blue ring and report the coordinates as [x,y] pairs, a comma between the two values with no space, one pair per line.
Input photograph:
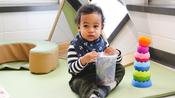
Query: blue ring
[142,84]
[141,66]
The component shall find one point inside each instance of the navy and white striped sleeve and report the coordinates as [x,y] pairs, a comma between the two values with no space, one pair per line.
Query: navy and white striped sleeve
[74,64]
[119,58]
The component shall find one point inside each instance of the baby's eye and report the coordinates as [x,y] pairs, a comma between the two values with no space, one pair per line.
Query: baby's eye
[85,26]
[96,26]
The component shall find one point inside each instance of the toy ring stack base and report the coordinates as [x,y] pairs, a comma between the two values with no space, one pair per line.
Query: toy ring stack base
[144,84]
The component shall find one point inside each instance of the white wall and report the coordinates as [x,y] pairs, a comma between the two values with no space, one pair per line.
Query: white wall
[126,41]
[135,1]
[26,25]
[18,2]
[164,2]
[160,27]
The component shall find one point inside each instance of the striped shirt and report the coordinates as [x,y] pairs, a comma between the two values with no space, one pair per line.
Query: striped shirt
[74,64]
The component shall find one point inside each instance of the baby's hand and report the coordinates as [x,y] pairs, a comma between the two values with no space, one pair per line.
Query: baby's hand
[89,57]
[110,51]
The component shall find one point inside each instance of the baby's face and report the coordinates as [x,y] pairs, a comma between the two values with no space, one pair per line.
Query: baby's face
[90,26]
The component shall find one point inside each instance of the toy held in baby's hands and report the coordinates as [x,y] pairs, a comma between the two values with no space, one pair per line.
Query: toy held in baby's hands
[105,68]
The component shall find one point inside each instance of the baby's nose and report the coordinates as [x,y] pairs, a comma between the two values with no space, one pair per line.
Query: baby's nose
[91,30]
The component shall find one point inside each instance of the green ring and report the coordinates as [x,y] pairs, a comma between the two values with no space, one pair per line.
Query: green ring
[141,75]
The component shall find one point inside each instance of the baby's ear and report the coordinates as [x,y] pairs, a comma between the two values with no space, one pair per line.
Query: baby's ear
[102,26]
[78,26]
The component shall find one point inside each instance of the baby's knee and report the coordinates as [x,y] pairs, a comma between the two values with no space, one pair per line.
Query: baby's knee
[120,72]
[120,69]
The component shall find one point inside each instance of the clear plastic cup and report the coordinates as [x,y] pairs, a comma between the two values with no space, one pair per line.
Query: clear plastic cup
[105,69]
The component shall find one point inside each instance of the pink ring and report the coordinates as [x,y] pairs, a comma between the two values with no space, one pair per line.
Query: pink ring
[142,56]
[142,49]
[141,60]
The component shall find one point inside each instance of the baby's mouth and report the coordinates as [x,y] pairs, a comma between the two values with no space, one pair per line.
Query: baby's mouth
[90,36]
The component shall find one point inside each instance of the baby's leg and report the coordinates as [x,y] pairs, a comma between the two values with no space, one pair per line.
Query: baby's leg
[119,73]
[84,86]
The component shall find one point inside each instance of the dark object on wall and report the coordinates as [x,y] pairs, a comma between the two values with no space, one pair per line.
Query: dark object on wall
[36,7]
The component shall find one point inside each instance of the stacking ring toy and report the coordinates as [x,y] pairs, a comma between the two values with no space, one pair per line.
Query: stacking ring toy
[141,66]
[142,56]
[141,75]
[141,60]
[142,49]
[144,41]
[142,84]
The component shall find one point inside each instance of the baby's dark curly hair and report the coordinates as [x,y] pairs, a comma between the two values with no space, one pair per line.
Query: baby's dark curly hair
[88,9]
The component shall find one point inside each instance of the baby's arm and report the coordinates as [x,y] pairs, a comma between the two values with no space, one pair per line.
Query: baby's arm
[76,64]
[111,51]
[89,57]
